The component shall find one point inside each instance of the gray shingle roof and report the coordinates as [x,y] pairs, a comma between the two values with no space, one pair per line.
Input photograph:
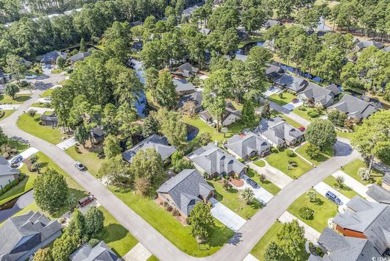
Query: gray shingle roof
[5,168]
[205,31]
[159,143]
[334,89]
[274,71]
[378,193]
[21,234]
[244,144]
[101,252]
[214,160]
[365,44]
[187,69]
[372,219]
[51,57]
[196,97]
[341,248]
[270,23]
[183,86]
[293,83]
[79,56]
[319,94]
[185,189]
[277,131]
[386,179]
[354,107]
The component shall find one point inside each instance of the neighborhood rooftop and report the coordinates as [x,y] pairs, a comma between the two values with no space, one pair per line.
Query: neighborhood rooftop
[100,252]
[354,107]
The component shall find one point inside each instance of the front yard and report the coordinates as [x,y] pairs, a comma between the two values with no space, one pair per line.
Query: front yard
[280,161]
[345,135]
[267,185]
[171,228]
[344,189]
[31,125]
[88,158]
[283,100]
[5,99]
[231,199]
[324,209]
[353,167]
[324,156]
[6,114]
[305,112]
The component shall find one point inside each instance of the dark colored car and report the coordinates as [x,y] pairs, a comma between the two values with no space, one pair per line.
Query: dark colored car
[295,100]
[15,161]
[302,129]
[252,183]
[333,197]
[79,166]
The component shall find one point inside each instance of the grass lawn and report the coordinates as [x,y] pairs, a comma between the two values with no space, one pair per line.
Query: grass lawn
[172,229]
[5,99]
[25,185]
[267,185]
[41,105]
[286,98]
[31,125]
[90,160]
[324,156]
[261,247]
[6,114]
[286,118]
[115,235]
[152,258]
[47,93]
[304,114]
[280,161]
[345,190]
[324,209]
[346,135]
[231,199]
[353,167]
[260,163]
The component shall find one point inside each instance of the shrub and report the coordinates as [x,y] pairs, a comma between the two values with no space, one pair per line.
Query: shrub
[306,213]
[12,184]
[364,173]
[262,178]
[274,150]
[313,114]
[2,113]
[32,112]
[165,204]
[76,148]
[379,182]
[302,108]
[33,158]
[290,153]
[293,163]
[169,208]
[313,151]
[175,212]
[93,242]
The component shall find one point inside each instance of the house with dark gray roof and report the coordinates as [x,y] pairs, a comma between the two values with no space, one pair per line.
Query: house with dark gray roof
[49,120]
[79,57]
[156,142]
[7,174]
[97,135]
[195,97]
[270,23]
[364,219]
[291,83]
[354,107]
[247,145]
[279,133]
[205,31]
[187,70]
[386,49]
[100,252]
[274,72]
[339,248]
[21,236]
[51,57]
[212,161]
[184,190]
[230,116]
[381,194]
[314,95]
[364,44]
[183,87]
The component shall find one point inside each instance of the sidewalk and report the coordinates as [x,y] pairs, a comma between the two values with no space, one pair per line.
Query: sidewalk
[310,233]
[274,175]
[66,144]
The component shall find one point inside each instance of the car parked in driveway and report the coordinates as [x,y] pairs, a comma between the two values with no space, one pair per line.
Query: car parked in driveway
[330,195]
[252,183]
[79,166]
[15,161]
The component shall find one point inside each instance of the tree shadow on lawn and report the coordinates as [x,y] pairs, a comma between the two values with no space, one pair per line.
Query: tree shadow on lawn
[78,194]
[22,98]
[112,233]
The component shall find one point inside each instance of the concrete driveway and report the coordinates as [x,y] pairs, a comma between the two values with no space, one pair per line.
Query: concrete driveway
[261,194]
[226,215]
[322,188]
[66,144]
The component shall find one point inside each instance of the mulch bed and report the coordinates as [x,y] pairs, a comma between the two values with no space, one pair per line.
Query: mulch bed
[237,182]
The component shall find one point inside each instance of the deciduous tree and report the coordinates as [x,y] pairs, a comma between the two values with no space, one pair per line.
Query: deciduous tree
[321,133]
[201,221]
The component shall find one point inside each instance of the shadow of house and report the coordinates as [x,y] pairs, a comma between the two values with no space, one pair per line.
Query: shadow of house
[22,236]
[184,190]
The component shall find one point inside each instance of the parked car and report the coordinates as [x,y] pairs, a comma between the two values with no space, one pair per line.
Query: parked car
[252,183]
[295,100]
[79,166]
[15,161]
[333,197]
[302,128]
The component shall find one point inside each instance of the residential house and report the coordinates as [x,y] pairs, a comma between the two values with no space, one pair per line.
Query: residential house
[291,83]
[386,49]
[187,70]
[100,252]
[314,95]
[51,57]
[381,194]
[337,247]
[364,44]
[230,116]
[205,31]
[247,145]
[368,220]
[279,133]
[7,174]
[156,142]
[212,161]
[183,87]
[97,135]
[270,23]
[354,107]
[187,13]
[274,72]
[21,236]
[184,190]
[49,120]
[195,97]
[79,57]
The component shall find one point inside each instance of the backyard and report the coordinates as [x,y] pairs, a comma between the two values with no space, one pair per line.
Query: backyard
[172,229]
[231,199]
[323,156]
[31,125]
[353,167]
[344,189]
[266,184]
[280,161]
[324,209]
[284,99]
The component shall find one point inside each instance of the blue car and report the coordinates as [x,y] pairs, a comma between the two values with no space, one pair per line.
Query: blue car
[334,198]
